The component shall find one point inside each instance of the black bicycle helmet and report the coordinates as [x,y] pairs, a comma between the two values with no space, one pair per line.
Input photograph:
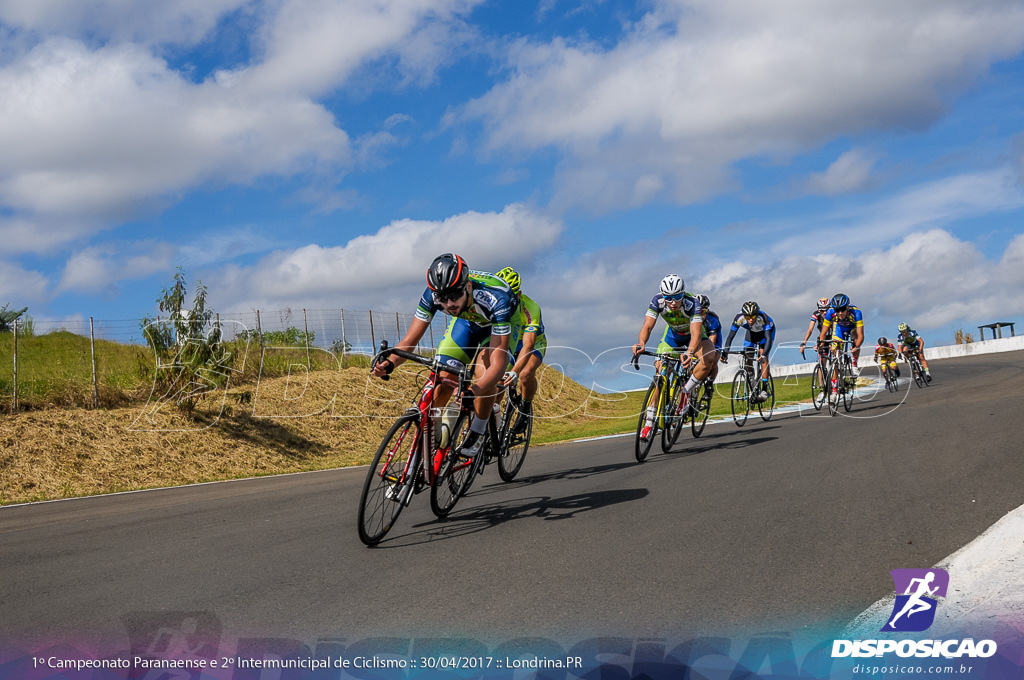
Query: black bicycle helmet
[840,302]
[883,340]
[704,301]
[750,308]
[447,272]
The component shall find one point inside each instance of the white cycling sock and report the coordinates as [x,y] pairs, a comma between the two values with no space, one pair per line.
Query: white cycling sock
[479,425]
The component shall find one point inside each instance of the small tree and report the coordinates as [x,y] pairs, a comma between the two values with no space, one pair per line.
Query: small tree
[190,359]
[7,317]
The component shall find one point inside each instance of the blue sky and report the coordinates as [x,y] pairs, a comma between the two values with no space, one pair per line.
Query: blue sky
[318,154]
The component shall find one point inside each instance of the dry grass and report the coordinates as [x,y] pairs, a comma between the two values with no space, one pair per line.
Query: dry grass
[306,421]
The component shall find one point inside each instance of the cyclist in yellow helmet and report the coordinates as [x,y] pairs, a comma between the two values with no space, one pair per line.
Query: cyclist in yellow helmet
[529,342]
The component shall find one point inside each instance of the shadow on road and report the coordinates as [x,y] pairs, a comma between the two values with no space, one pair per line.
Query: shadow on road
[485,517]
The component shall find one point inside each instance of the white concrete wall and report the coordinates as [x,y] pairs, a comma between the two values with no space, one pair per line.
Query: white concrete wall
[931,353]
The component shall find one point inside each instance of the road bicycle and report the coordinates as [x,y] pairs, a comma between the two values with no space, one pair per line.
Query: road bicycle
[668,382]
[508,440]
[842,381]
[917,368]
[747,388]
[417,453]
[819,377]
[889,376]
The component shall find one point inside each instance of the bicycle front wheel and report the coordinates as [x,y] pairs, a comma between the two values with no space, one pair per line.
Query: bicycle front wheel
[674,421]
[740,398]
[643,445]
[767,408]
[513,446]
[819,387]
[454,472]
[389,480]
[919,373]
[701,408]
[832,387]
[850,383]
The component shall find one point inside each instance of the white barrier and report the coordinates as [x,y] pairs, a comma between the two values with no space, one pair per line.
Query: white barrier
[931,353]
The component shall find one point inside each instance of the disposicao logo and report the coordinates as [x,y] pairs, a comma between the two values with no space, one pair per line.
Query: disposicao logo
[914,610]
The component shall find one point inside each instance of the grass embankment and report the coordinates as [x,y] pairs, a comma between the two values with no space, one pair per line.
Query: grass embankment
[320,419]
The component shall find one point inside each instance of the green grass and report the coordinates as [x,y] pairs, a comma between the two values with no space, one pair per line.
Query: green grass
[618,413]
[55,369]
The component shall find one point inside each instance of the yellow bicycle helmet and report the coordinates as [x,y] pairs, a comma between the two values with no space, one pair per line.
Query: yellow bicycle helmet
[511,277]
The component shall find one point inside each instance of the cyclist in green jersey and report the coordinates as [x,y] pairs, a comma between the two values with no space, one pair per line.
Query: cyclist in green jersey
[530,348]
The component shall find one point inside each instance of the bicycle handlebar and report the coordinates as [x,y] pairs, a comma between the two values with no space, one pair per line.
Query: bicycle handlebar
[384,352]
[644,352]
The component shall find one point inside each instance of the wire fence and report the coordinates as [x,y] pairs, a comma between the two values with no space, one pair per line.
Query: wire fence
[90,356]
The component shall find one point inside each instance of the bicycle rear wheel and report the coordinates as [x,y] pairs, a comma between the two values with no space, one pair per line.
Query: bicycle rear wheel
[454,473]
[740,398]
[767,408]
[389,481]
[701,408]
[819,387]
[643,446]
[918,372]
[674,422]
[513,446]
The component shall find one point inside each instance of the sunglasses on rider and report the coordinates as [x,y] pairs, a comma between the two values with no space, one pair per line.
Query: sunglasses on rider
[673,298]
[452,294]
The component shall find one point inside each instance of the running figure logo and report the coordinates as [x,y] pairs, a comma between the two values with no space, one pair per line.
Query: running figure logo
[914,610]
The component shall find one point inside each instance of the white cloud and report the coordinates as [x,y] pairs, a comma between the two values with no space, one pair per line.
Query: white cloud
[700,84]
[94,136]
[100,268]
[20,287]
[371,268]
[105,134]
[174,21]
[850,172]
[313,46]
[930,205]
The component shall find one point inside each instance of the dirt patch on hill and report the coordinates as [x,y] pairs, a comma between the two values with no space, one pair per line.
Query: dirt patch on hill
[307,421]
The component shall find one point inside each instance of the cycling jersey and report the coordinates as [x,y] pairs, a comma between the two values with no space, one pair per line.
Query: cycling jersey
[760,331]
[885,353]
[677,319]
[677,334]
[529,321]
[818,317]
[713,326]
[493,312]
[853,319]
[911,339]
[492,307]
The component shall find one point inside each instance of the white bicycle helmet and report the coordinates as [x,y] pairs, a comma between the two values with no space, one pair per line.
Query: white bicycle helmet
[671,285]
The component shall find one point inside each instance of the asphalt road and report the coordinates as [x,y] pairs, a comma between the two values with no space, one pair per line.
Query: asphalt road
[782,526]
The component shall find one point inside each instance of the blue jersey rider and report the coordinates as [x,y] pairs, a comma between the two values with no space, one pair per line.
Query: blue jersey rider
[760,335]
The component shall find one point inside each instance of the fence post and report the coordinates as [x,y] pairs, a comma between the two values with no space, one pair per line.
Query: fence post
[92,350]
[373,339]
[344,341]
[398,327]
[305,326]
[14,406]
[259,335]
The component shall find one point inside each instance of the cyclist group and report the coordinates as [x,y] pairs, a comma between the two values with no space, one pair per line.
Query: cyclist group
[493,320]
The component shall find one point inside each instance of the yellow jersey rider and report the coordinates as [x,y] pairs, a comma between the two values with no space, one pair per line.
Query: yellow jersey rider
[848,322]
[885,353]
